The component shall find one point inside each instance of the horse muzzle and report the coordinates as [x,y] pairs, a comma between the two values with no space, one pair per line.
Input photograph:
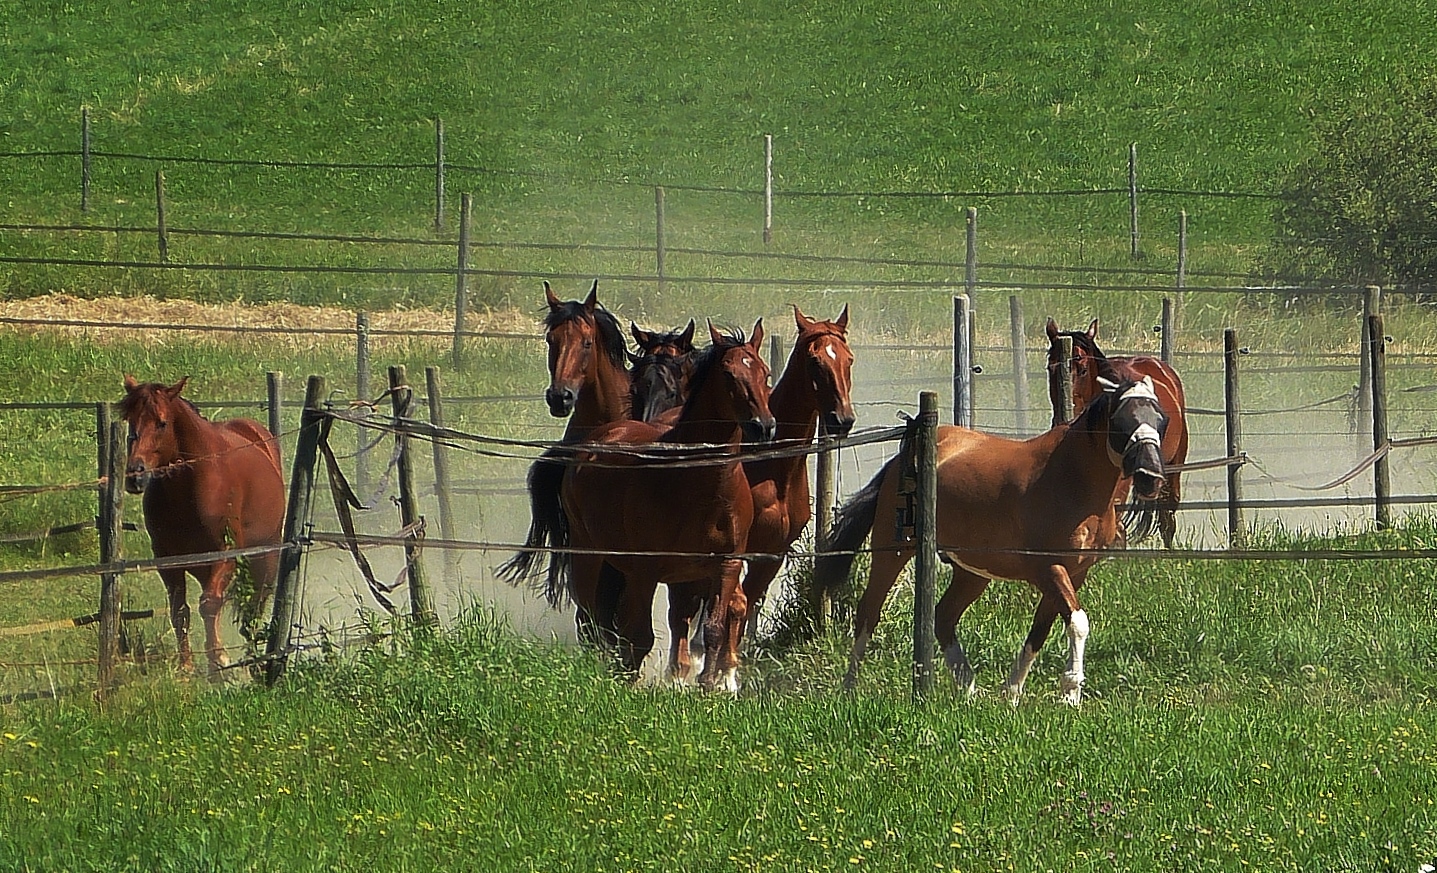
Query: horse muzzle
[137,478]
[759,430]
[561,401]
[835,424]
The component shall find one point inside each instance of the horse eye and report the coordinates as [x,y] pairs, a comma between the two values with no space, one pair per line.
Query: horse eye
[588,344]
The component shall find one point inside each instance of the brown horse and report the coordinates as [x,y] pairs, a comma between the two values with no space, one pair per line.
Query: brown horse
[589,383]
[1039,510]
[613,500]
[1169,388]
[811,397]
[208,487]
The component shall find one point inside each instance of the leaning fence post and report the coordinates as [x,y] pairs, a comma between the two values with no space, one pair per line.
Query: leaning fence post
[1236,527]
[962,362]
[421,600]
[926,531]
[296,519]
[113,436]
[441,473]
[461,273]
[1020,364]
[1381,481]
[362,394]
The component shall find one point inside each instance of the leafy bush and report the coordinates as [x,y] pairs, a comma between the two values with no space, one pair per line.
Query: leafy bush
[1363,207]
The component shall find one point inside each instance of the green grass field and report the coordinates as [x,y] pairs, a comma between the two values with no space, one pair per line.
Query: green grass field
[1243,715]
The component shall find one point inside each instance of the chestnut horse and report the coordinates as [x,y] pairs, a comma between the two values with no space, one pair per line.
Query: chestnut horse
[208,487]
[1169,388]
[610,498]
[1011,509]
[589,383]
[811,397]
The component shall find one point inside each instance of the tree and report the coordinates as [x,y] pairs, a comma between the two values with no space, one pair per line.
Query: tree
[1363,207]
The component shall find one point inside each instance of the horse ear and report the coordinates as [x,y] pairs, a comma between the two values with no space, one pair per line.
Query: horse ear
[1148,381]
[686,339]
[803,321]
[757,340]
[842,319]
[714,336]
[1052,329]
[130,383]
[592,301]
[1093,330]
[641,336]
[175,389]
[554,301]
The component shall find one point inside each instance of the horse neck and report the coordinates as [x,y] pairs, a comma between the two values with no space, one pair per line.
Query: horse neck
[194,434]
[603,399]
[703,419]
[1081,448]
[795,406]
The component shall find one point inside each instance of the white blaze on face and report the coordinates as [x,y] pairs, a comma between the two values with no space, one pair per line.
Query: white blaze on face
[828,348]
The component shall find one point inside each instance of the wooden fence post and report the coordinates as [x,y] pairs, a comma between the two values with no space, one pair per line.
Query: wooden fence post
[767,188]
[1133,198]
[1236,526]
[1166,340]
[421,600]
[161,226]
[362,393]
[1371,305]
[1063,402]
[441,474]
[1017,340]
[112,436]
[820,601]
[926,532]
[84,159]
[438,175]
[301,491]
[660,250]
[1381,481]
[274,388]
[962,362]
[461,285]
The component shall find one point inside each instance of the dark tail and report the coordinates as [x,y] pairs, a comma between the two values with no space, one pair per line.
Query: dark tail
[548,528]
[851,525]
[1140,520]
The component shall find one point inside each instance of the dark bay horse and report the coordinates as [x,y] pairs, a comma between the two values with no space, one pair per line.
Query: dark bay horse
[589,383]
[811,397]
[208,487]
[1169,389]
[661,370]
[1007,509]
[692,508]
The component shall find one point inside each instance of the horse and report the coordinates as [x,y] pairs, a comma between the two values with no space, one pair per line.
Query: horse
[589,383]
[651,521]
[208,487]
[1039,510]
[1138,522]
[811,397]
[661,372]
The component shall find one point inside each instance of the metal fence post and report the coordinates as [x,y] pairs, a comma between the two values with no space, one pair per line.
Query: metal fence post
[1236,526]
[962,362]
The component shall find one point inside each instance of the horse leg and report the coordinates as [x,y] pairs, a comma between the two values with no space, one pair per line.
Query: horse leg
[606,602]
[1043,618]
[584,591]
[685,601]
[965,588]
[760,575]
[175,583]
[723,631]
[882,575]
[212,601]
[635,626]
[1059,598]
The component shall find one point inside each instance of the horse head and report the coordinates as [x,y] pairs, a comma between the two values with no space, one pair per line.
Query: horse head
[579,335]
[741,378]
[829,364]
[150,409]
[661,371]
[1136,423]
[1082,368]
